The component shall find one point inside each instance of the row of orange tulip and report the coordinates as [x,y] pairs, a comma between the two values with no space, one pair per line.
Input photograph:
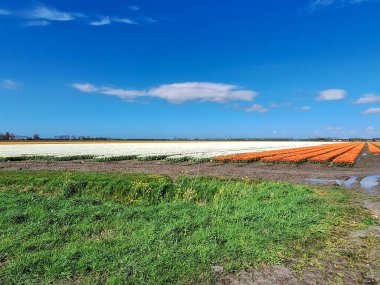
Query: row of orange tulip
[309,156]
[374,148]
[302,155]
[349,158]
[326,157]
[344,154]
[255,156]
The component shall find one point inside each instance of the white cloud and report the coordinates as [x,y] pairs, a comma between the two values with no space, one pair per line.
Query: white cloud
[257,108]
[177,92]
[9,84]
[125,21]
[321,3]
[304,108]
[315,4]
[204,91]
[368,98]
[331,95]
[134,8]
[150,20]
[85,87]
[370,129]
[103,21]
[371,111]
[4,12]
[38,23]
[42,15]
[43,12]
[279,105]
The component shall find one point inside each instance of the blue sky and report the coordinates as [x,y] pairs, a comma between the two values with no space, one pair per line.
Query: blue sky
[194,69]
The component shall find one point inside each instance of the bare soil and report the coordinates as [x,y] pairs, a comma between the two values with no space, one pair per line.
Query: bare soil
[367,165]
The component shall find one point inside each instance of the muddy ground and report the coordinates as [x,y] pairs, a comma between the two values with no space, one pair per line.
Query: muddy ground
[366,166]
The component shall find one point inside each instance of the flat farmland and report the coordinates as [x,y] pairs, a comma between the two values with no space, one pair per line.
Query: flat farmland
[295,161]
[184,213]
[192,149]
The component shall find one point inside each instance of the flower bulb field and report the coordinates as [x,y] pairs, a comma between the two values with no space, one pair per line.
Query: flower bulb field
[292,152]
[144,149]
[293,161]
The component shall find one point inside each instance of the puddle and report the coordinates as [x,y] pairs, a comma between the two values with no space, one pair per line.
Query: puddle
[347,183]
[351,181]
[368,183]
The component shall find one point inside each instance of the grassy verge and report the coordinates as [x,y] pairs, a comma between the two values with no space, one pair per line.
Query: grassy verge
[96,228]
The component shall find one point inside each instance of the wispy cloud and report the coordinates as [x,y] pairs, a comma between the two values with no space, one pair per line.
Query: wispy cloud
[368,98]
[134,8]
[150,20]
[303,108]
[125,21]
[42,15]
[331,95]
[316,4]
[280,105]
[177,92]
[4,12]
[51,14]
[42,23]
[371,111]
[256,108]
[102,22]
[9,84]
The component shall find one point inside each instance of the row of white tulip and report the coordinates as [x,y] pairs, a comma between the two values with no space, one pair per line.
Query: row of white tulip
[175,149]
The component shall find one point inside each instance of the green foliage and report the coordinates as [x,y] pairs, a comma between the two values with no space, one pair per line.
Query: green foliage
[97,228]
[151,157]
[201,159]
[176,159]
[115,158]
[106,158]
[47,158]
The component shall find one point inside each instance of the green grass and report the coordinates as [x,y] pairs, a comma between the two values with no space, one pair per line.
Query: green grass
[97,228]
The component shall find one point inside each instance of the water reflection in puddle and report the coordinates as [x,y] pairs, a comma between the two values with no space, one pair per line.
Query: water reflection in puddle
[347,183]
[368,183]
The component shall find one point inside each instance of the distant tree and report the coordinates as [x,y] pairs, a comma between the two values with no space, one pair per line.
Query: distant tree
[7,136]
[36,137]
